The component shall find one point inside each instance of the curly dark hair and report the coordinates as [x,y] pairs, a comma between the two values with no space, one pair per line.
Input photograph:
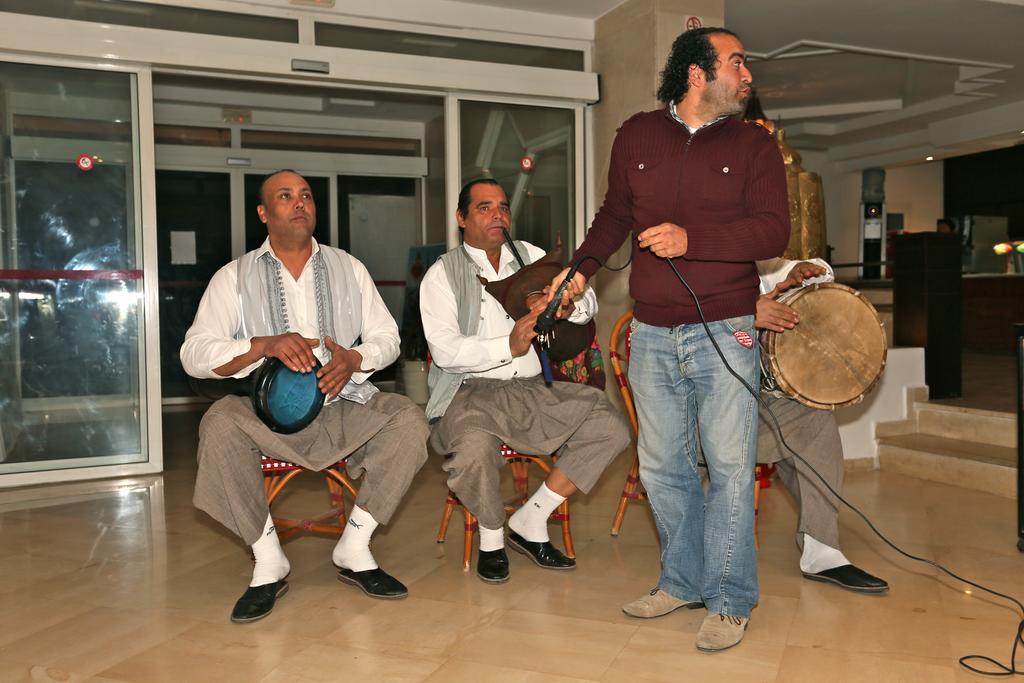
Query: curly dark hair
[691,47]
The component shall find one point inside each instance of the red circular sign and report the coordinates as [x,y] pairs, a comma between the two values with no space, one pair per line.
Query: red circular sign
[692,23]
[526,164]
[84,162]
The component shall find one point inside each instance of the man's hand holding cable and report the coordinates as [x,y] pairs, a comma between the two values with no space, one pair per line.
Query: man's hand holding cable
[666,240]
[576,287]
[335,375]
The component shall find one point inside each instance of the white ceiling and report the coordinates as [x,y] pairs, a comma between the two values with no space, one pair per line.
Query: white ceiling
[881,82]
[888,82]
[581,9]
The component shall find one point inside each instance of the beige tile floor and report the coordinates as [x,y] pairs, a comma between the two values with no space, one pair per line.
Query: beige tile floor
[133,584]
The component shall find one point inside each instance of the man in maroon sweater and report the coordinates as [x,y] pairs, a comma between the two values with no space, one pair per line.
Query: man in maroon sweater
[707,191]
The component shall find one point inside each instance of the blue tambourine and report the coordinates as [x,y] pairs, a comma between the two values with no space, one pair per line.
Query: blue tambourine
[285,400]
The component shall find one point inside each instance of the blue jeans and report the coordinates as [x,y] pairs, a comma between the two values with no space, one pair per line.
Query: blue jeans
[680,385]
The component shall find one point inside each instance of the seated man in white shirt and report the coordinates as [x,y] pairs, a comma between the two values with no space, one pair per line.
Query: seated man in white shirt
[813,434]
[485,382]
[301,302]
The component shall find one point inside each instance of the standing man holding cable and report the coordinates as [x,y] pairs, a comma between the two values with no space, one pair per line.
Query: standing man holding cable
[706,193]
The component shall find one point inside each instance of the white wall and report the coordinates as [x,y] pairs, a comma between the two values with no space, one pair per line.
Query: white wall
[904,369]
[915,191]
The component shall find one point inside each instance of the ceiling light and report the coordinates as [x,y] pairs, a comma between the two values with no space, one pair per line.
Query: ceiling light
[929,158]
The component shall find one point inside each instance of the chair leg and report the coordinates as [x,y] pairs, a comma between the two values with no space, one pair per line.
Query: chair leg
[337,497]
[467,538]
[521,479]
[628,493]
[563,516]
[446,516]
[757,495]
[757,501]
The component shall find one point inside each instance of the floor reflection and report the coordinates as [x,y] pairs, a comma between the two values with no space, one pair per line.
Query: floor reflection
[123,580]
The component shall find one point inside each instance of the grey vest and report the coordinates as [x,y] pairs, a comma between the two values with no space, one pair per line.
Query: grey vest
[338,304]
[462,278]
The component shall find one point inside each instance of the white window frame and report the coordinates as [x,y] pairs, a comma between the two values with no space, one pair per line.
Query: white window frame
[453,156]
[150,421]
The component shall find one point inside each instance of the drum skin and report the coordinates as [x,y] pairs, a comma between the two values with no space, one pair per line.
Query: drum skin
[285,400]
[835,355]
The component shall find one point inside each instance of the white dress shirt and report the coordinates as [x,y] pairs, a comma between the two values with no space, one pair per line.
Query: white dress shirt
[210,342]
[486,354]
[774,270]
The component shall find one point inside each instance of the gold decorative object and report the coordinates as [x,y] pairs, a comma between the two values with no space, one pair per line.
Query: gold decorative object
[807,237]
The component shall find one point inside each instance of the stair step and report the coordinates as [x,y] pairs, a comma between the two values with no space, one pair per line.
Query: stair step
[970,464]
[954,448]
[967,424]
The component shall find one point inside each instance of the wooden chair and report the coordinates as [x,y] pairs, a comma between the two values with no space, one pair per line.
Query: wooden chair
[519,464]
[632,490]
[277,474]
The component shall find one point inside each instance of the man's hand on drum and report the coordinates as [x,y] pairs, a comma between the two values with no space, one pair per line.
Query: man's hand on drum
[294,350]
[775,316]
[521,336]
[335,375]
[666,240]
[804,270]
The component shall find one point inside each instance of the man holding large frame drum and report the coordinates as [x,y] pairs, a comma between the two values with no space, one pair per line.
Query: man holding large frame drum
[811,432]
[306,305]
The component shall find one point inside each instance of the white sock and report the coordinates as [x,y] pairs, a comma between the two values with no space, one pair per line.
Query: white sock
[531,520]
[271,564]
[353,549]
[817,557]
[491,539]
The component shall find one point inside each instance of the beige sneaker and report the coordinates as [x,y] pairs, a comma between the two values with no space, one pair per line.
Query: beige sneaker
[720,632]
[657,603]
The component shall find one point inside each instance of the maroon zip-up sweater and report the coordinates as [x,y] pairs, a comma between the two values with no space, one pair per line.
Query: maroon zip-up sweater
[726,184]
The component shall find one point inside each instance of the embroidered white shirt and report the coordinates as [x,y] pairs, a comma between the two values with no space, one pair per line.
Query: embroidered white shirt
[210,342]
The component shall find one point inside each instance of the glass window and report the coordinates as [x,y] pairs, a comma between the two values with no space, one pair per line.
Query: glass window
[451,47]
[71,307]
[198,136]
[166,17]
[193,224]
[334,144]
[529,151]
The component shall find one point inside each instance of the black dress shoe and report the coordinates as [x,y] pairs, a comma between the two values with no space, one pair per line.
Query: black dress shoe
[258,601]
[543,554]
[492,566]
[851,578]
[376,583]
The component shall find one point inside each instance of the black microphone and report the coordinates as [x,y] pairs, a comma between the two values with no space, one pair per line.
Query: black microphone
[546,320]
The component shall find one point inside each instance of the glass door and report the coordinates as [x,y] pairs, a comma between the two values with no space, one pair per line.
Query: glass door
[72,304]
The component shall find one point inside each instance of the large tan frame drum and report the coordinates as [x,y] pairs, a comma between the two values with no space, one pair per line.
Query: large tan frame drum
[835,355]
